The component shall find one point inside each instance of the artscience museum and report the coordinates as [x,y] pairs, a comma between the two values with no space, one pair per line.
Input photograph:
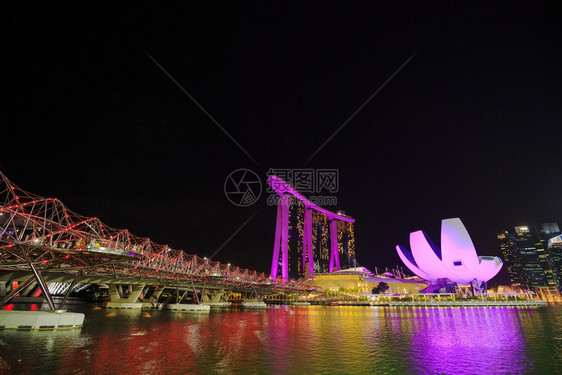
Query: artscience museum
[455,261]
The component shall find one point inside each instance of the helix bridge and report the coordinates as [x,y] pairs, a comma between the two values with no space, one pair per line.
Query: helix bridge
[43,242]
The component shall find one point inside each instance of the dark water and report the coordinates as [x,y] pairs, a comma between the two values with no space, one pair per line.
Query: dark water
[296,340]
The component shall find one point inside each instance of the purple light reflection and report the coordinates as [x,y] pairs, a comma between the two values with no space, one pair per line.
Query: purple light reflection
[456,343]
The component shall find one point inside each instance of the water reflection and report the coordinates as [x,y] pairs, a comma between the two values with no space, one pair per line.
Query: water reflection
[456,341]
[282,340]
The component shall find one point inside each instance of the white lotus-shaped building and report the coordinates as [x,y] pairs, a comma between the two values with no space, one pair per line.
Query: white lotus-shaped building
[456,260]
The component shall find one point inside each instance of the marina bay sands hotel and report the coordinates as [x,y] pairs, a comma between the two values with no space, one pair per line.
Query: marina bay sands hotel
[309,239]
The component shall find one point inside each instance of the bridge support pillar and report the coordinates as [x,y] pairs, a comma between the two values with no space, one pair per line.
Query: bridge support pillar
[218,296]
[118,302]
[334,246]
[40,281]
[307,255]
[155,296]
[195,293]
[253,303]
[189,307]
[135,292]
[227,297]
[114,295]
[28,291]
[215,299]
[180,298]
[16,290]
[281,238]
[70,287]
[193,307]
[152,300]
[205,298]
[40,320]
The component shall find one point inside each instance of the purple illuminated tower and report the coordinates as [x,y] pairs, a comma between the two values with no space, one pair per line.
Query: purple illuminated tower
[287,194]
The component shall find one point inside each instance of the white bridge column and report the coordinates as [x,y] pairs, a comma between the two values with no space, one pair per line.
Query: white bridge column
[216,299]
[155,296]
[131,302]
[136,291]
[114,295]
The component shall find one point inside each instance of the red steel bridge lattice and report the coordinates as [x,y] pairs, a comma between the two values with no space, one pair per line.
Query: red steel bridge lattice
[43,235]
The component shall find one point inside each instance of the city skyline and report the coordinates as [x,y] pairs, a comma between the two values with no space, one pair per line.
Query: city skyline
[468,127]
[533,255]
[281,188]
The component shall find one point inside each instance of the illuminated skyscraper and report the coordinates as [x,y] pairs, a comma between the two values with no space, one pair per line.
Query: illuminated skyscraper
[308,238]
[346,241]
[320,242]
[551,239]
[296,228]
[533,255]
[512,259]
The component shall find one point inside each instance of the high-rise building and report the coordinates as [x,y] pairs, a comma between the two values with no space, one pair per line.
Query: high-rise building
[551,239]
[320,242]
[512,259]
[532,255]
[308,238]
[295,243]
[346,241]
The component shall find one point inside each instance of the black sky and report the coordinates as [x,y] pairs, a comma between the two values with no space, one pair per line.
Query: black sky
[470,128]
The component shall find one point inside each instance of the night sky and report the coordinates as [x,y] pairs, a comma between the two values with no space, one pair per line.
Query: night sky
[469,128]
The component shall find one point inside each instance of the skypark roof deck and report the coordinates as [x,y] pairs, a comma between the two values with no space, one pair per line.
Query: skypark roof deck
[281,187]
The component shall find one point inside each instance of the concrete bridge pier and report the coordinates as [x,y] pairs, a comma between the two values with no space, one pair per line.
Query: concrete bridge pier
[134,292]
[216,299]
[178,306]
[118,299]
[114,293]
[35,320]
[254,301]
[193,307]
[152,301]
[188,307]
